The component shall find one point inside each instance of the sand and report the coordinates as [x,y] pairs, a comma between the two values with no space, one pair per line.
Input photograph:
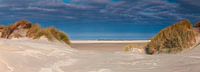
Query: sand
[111,46]
[43,56]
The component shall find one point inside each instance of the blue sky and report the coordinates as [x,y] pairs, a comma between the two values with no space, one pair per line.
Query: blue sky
[102,19]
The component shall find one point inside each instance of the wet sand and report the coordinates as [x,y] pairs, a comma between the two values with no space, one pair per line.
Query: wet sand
[111,46]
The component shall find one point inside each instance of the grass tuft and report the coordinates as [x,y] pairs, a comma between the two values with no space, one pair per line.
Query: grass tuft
[130,47]
[34,30]
[53,34]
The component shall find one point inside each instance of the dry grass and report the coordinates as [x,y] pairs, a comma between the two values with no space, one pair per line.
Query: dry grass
[197,24]
[34,32]
[53,34]
[130,47]
[6,31]
[22,23]
[173,39]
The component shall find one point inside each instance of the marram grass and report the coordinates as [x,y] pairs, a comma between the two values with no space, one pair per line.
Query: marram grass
[34,31]
[53,34]
[173,39]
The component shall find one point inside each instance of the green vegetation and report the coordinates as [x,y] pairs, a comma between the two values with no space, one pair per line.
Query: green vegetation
[173,39]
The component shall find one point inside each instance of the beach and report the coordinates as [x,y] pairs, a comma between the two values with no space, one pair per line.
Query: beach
[44,56]
[111,46]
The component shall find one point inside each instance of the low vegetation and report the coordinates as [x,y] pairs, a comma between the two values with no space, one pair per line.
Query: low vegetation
[33,31]
[173,39]
[131,47]
[53,34]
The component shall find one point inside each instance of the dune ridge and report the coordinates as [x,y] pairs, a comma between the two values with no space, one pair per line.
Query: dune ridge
[174,39]
[25,28]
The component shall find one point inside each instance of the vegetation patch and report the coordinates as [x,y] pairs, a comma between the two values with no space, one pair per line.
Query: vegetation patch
[131,47]
[173,39]
[27,29]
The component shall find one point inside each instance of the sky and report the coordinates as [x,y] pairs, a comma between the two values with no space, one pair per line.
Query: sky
[102,19]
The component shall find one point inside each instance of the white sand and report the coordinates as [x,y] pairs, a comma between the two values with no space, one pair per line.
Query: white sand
[42,56]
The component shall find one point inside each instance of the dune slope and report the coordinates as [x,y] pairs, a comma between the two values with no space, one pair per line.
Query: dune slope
[173,39]
[25,55]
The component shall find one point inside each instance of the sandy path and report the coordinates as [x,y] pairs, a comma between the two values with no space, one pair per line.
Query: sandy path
[109,47]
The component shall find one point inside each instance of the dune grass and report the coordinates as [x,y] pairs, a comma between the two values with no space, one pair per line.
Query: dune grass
[173,39]
[50,33]
[197,24]
[34,31]
[130,47]
[53,34]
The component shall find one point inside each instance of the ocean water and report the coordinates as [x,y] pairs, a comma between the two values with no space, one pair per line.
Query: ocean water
[26,55]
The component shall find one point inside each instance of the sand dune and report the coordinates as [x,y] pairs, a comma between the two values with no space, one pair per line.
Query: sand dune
[26,55]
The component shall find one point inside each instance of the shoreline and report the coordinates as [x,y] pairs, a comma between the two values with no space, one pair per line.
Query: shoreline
[106,46]
[108,41]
